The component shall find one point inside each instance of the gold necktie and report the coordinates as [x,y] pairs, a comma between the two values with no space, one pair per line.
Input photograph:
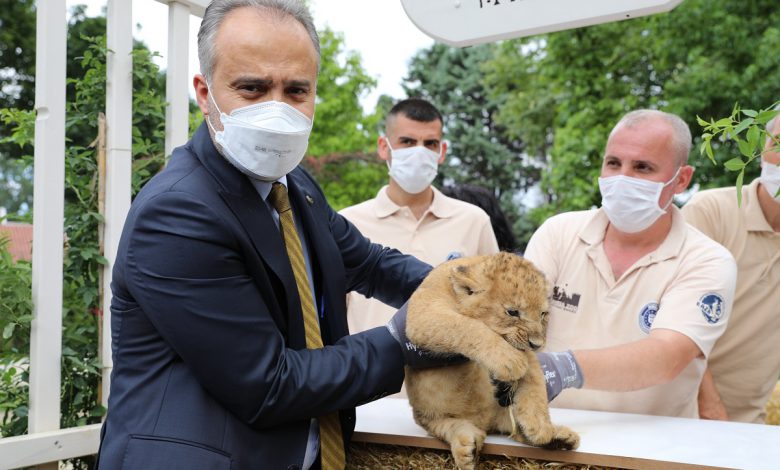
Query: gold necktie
[331,442]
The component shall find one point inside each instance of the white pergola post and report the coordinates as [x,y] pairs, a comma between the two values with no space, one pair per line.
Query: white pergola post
[119,119]
[177,81]
[48,218]
[119,144]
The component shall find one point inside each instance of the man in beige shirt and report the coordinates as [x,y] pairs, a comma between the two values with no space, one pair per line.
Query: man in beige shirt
[638,295]
[745,363]
[409,214]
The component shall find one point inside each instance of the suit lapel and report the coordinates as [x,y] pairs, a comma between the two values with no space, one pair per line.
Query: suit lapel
[255,217]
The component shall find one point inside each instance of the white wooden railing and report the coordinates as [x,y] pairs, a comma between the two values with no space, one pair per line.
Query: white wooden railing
[46,443]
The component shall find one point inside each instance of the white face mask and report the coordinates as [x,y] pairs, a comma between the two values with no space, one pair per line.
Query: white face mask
[770,178]
[413,168]
[264,140]
[631,204]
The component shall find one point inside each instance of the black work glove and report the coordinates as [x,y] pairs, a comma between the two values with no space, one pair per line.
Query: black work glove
[415,356]
[560,371]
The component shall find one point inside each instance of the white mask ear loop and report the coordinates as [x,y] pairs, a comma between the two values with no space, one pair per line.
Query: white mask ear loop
[387,162]
[208,118]
[671,199]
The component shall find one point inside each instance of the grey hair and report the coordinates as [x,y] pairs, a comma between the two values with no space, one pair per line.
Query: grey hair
[682,142]
[219,9]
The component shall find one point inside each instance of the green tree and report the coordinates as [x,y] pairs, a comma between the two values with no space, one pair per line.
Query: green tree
[17,53]
[341,149]
[561,93]
[17,75]
[481,150]
[339,124]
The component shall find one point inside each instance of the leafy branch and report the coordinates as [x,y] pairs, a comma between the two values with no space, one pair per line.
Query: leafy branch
[746,127]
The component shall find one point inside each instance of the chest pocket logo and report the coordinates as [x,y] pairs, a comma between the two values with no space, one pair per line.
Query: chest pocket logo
[564,301]
[711,306]
[647,315]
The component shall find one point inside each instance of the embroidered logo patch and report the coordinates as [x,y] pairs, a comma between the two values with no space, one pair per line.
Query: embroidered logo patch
[565,301]
[647,315]
[711,306]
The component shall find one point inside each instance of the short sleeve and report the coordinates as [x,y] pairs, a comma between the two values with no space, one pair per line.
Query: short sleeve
[487,239]
[698,302]
[543,248]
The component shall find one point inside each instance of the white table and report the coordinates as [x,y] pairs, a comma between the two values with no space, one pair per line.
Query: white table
[608,439]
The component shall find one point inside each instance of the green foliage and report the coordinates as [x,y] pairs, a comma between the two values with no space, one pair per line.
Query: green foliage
[349,179]
[561,93]
[17,54]
[339,123]
[15,319]
[16,173]
[747,128]
[343,135]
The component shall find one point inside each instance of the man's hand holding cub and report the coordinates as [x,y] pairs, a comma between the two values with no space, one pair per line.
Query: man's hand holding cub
[561,371]
[415,356]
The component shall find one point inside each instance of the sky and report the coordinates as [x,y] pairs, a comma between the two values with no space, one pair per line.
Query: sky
[379,30]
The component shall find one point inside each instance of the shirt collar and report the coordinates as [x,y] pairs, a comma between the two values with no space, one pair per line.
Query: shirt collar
[594,231]
[755,220]
[264,187]
[439,208]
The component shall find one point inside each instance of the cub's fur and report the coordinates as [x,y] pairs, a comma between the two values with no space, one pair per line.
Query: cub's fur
[493,310]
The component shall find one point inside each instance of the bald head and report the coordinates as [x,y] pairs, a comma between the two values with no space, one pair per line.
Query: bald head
[680,135]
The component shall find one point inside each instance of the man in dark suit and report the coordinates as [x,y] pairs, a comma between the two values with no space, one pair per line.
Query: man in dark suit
[232,273]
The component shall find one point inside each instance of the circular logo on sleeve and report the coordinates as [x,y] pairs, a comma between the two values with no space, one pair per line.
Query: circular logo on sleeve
[647,315]
[711,306]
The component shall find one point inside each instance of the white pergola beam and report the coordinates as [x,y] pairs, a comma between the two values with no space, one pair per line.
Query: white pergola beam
[48,217]
[119,154]
[177,112]
[43,447]
[197,7]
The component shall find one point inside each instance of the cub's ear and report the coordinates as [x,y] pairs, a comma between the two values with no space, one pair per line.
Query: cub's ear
[463,282]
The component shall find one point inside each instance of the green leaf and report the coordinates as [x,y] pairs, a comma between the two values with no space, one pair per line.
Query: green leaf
[701,121]
[724,122]
[766,116]
[708,149]
[743,125]
[749,113]
[744,147]
[8,330]
[735,164]
[754,139]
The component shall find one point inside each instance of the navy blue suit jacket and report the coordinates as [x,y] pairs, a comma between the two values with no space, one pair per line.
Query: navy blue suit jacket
[211,369]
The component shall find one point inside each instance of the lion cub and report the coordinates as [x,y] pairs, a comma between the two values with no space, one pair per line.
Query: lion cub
[493,310]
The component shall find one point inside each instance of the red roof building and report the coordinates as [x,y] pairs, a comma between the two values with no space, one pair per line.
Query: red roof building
[19,239]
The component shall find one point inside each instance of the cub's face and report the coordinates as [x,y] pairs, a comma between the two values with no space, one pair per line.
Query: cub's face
[507,293]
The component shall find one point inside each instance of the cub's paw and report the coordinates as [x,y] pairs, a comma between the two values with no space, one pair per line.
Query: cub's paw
[506,364]
[563,439]
[465,450]
[503,391]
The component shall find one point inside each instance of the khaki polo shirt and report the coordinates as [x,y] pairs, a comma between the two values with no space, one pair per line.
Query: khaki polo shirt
[685,285]
[449,227]
[745,361]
